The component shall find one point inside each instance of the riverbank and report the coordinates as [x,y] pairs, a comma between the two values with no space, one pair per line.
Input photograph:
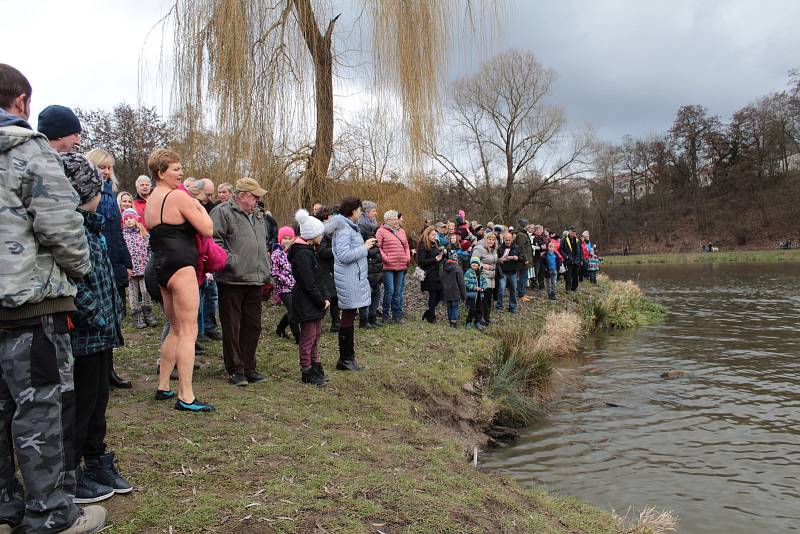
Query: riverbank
[744,256]
[384,450]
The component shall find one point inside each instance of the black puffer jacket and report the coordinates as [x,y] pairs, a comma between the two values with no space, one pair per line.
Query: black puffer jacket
[368,228]
[325,257]
[426,259]
[308,296]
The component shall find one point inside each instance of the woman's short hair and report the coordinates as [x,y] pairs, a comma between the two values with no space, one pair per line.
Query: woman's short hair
[160,160]
[348,205]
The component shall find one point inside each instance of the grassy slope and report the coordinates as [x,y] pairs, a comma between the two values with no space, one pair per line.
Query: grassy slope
[382,450]
[734,256]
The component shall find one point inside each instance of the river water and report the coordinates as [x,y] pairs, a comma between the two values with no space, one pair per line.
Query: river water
[721,447]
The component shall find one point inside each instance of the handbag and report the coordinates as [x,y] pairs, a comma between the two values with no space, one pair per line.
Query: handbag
[419,275]
[562,269]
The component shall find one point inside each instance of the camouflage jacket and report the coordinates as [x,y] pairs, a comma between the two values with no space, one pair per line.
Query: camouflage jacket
[43,246]
[98,302]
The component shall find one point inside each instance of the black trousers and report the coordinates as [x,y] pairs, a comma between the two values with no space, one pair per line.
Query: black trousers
[571,276]
[91,401]
[538,265]
[240,316]
[475,307]
[486,303]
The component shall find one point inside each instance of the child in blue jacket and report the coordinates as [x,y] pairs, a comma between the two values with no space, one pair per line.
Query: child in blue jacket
[475,283]
[551,263]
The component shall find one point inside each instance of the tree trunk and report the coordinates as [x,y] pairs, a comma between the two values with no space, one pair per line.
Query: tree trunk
[319,46]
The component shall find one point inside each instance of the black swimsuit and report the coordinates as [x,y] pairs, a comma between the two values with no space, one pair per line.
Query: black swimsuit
[173,247]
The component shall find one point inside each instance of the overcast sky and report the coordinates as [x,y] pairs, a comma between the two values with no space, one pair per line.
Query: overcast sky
[624,66]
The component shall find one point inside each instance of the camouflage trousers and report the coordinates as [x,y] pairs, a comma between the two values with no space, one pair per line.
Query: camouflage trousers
[37,401]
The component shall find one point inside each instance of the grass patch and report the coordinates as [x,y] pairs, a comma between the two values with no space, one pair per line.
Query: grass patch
[379,450]
[742,256]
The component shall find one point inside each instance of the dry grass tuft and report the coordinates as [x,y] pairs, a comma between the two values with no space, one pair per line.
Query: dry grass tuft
[561,334]
[650,521]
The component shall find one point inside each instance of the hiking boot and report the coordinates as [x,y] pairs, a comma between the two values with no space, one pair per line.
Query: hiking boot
[320,372]
[194,406]
[237,380]
[90,519]
[309,376]
[88,490]
[103,470]
[138,320]
[149,320]
[254,378]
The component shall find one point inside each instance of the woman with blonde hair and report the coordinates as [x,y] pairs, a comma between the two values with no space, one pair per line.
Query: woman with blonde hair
[174,219]
[112,231]
[124,201]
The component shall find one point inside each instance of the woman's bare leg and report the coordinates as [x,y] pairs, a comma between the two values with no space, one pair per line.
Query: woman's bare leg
[184,301]
[168,354]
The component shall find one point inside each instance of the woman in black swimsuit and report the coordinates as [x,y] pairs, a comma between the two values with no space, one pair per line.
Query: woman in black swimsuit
[174,218]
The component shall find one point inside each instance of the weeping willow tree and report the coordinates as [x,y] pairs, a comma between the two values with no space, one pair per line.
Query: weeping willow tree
[253,71]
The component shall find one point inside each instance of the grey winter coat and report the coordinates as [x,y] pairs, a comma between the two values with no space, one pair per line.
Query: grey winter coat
[45,245]
[488,261]
[349,264]
[245,243]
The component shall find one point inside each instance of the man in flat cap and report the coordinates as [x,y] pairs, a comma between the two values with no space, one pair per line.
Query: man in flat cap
[240,228]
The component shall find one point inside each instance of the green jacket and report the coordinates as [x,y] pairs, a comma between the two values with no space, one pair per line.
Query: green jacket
[523,241]
[245,242]
[44,247]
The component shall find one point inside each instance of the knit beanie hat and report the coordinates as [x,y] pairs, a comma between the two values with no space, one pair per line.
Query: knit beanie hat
[82,175]
[474,259]
[58,121]
[129,213]
[310,227]
[285,231]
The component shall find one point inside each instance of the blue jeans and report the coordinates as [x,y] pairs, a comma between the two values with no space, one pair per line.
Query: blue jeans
[394,283]
[210,296]
[453,307]
[522,282]
[552,279]
[509,280]
[371,312]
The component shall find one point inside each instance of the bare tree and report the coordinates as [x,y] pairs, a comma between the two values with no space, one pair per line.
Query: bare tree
[507,138]
[368,146]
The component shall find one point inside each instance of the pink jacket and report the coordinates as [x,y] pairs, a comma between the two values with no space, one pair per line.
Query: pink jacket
[395,251]
[211,258]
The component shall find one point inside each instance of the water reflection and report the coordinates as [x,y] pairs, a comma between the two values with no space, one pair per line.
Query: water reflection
[722,447]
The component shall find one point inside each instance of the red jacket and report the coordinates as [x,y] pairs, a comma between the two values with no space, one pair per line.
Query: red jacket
[139,204]
[395,251]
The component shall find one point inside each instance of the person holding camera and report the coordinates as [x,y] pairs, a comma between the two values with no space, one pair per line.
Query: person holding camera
[430,258]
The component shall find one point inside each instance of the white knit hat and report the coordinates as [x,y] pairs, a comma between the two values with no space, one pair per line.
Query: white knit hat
[310,227]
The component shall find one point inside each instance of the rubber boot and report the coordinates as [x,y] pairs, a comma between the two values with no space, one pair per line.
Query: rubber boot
[138,321]
[149,320]
[113,378]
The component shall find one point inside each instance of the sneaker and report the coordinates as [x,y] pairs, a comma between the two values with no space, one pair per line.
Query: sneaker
[454,324]
[478,325]
[468,326]
[88,490]
[90,519]
[103,470]
[397,320]
[164,395]
[237,380]
[254,378]
[512,310]
[334,328]
[194,406]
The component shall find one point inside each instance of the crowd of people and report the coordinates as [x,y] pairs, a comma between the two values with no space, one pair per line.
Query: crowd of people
[79,253]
